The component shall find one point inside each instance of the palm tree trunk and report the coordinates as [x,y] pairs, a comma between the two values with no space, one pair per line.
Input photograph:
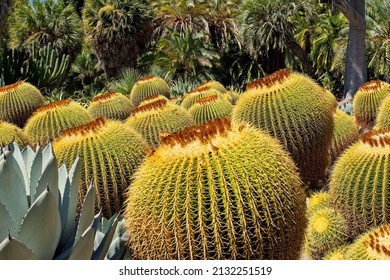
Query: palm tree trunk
[356,64]
[300,53]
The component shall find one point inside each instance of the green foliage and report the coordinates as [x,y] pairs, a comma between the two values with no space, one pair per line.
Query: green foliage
[367,101]
[147,87]
[112,105]
[11,133]
[158,118]
[48,122]
[38,206]
[18,101]
[215,192]
[109,155]
[126,80]
[327,229]
[372,245]
[359,182]
[297,111]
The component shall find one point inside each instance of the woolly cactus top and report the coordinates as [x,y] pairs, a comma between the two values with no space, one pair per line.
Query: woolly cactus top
[159,104]
[379,139]
[53,106]
[274,79]
[208,99]
[90,128]
[104,97]
[214,85]
[152,98]
[8,88]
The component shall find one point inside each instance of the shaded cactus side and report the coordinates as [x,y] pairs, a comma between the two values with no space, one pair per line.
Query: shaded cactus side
[383,118]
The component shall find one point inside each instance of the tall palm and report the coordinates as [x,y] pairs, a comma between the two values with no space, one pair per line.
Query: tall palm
[41,22]
[118,30]
[266,27]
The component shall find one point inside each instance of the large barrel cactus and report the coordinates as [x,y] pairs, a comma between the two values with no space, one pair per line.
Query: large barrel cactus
[109,154]
[210,108]
[367,101]
[10,133]
[49,121]
[295,110]
[360,182]
[111,105]
[191,97]
[383,118]
[18,101]
[148,86]
[345,133]
[217,192]
[372,245]
[158,118]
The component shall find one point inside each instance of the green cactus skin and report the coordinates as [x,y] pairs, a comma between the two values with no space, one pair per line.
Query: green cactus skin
[345,133]
[18,101]
[295,110]
[318,201]
[373,245]
[332,98]
[146,87]
[158,118]
[337,254]
[216,192]
[214,85]
[360,180]
[111,105]
[191,97]
[110,153]
[10,133]
[326,230]
[383,118]
[367,102]
[210,108]
[48,122]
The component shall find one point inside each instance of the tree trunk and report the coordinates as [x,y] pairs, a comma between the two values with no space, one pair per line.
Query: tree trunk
[356,64]
[300,53]
[5,5]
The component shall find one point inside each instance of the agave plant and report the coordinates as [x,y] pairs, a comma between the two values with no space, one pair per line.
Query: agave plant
[38,197]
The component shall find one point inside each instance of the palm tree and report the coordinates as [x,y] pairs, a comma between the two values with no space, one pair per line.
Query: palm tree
[41,22]
[118,30]
[267,27]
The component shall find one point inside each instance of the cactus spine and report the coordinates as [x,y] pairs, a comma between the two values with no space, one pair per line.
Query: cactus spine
[10,133]
[216,192]
[360,181]
[156,118]
[109,154]
[210,108]
[367,101]
[297,111]
[18,101]
[191,97]
[48,122]
[383,118]
[111,105]
[148,86]
[318,201]
[214,85]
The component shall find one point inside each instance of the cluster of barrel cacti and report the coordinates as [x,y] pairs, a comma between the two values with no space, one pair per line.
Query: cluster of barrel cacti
[271,173]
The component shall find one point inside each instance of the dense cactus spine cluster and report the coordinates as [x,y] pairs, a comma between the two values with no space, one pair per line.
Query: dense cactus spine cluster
[158,118]
[383,118]
[148,86]
[360,179]
[296,110]
[191,97]
[214,85]
[367,102]
[318,201]
[11,133]
[109,154]
[18,101]
[111,105]
[49,121]
[216,191]
[210,108]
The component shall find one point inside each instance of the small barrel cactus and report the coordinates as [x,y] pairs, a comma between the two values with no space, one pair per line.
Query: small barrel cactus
[345,133]
[191,97]
[367,101]
[372,245]
[318,201]
[158,118]
[10,133]
[297,111]
[360,180]
[210,108]
[111,105]
[109,153]
[337,253]
[326,230]
[18,101]
[216,192]
[48,122]
[383,118]
[148,86]
[214,85]
[154,98]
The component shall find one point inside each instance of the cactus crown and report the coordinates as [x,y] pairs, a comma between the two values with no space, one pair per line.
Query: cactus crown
[150,106]
[10,87]
[270,80]
[104,97]
[146,78]
[53,106]
[207,99]
[85,129]
[199,89]
[378,241]
[371,86]
[379,138]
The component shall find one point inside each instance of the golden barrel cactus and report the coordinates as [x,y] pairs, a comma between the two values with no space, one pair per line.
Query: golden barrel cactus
[192,96]
[148,86]
[111,105]
[383,118]
[210,108]
[11,133]
[216,191]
